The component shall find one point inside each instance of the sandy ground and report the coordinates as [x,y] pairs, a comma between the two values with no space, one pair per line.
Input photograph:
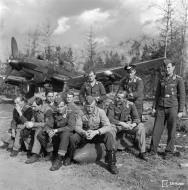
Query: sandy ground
[134,174]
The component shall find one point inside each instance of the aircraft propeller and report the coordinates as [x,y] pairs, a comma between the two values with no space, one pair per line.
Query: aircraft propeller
[14,51]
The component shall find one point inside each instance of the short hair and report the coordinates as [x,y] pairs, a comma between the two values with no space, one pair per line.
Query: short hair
[167,61]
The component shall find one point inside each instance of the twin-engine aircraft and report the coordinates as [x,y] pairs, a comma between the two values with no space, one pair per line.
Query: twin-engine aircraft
[34,73]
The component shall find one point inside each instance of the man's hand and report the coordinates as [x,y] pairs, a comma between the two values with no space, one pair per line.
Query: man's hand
[180,114]
[13,133]
[124,125]
[91,133]
[153,112]
[52,132]
[29,124]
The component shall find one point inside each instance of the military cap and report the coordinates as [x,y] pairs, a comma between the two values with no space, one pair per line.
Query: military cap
[70,92]
[89,100]
[130,67]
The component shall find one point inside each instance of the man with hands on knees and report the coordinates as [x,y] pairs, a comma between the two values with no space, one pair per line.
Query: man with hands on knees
[124,117]
[93,126]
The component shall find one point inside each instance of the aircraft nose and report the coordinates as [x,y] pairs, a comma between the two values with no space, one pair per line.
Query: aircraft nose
[14,64]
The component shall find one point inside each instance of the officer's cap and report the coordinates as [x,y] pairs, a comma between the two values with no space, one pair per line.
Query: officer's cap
[130,67]
[89,100]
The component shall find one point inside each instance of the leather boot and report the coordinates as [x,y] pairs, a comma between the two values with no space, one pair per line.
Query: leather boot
[68,157]
[56,164]
[34,158]
[111,155]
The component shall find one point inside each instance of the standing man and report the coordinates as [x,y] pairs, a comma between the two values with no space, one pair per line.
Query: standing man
[124,116]
[93,126]
[169,104]
[92,88]
[134,86]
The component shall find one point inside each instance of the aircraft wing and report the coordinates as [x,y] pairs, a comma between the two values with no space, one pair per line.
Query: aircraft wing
[114,75]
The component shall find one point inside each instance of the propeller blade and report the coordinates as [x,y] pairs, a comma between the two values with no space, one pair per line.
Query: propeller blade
[14,48]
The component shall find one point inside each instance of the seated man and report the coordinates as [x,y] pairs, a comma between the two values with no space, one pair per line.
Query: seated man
[40,113]
[21,114]
[124,116]
[93,126]
[64,126]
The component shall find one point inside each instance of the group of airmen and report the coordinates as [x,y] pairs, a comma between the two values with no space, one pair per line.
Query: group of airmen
[39,123]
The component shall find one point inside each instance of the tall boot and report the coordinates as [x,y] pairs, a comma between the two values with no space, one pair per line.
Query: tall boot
[111,155]
[69,156]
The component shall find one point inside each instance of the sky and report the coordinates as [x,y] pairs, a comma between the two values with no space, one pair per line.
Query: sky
[112,21]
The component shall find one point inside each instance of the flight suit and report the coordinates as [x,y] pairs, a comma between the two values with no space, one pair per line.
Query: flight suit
[97,90]
[136,87]
[126,111]
[169,101]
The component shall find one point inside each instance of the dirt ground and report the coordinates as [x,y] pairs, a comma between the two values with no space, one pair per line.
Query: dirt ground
[134,174]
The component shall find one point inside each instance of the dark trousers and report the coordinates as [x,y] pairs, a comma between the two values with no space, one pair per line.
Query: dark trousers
[164,116]
[64,142]
[76,140]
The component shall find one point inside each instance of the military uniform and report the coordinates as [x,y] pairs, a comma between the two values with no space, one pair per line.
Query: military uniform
[125,111]
[65,123]
[169,101]
[97,90]
[136,87]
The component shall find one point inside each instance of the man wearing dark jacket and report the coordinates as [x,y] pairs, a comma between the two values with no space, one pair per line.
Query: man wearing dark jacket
[65,122]
[134,87]
[94,88]
[21,114]
[169,104]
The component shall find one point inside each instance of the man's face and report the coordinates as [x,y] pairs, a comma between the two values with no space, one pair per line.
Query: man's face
[36,107]
[170,69]
[19,102]
[120,97]
[131,73]
[50,97]
[91,77]
[70,98]
[61,107]
[90,108]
